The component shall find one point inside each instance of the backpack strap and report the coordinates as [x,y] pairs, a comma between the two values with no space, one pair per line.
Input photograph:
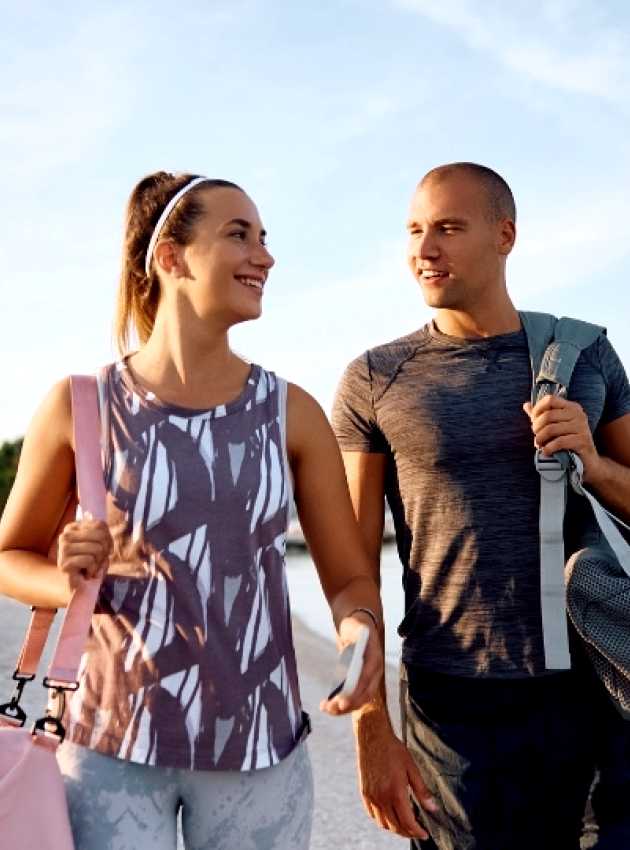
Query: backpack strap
[555,346]
[539,329]
[571,337]
[608,523]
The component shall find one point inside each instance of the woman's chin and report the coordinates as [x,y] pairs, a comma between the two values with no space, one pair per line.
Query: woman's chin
[248,315]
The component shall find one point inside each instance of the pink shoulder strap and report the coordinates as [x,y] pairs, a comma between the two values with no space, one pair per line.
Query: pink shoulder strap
[63,670]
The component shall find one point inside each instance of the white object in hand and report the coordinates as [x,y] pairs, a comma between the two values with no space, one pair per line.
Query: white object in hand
[349,665]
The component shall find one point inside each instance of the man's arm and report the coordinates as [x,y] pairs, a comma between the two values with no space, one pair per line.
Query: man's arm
[610,477]
[561,424]
[387,773]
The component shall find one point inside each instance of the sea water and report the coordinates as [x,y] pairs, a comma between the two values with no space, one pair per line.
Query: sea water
[309,604]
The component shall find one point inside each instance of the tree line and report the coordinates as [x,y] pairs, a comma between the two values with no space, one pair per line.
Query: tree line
[9,456]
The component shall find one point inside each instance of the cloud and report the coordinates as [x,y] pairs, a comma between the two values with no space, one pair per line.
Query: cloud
[565,45]
[565,245]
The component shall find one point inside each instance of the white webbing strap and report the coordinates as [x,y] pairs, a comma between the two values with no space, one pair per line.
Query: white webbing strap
[604,518]
[553,487]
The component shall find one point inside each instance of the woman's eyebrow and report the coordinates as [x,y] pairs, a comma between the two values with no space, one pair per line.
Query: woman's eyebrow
[242,222]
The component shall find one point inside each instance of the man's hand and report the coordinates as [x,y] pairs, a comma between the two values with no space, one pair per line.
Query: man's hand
[559,424]
[387,777]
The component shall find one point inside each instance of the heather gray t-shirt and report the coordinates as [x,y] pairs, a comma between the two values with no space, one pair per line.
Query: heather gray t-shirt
[463,489]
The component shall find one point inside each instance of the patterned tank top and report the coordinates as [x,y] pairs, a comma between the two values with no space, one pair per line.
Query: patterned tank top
[190,660]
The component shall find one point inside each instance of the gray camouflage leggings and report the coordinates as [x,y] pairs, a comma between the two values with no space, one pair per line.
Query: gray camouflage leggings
[120,805]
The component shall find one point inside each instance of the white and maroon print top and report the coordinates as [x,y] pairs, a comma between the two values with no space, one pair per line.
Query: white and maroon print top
[190,660]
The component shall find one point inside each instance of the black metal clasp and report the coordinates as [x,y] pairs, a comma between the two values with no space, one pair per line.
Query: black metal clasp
[12,709]
[50,723]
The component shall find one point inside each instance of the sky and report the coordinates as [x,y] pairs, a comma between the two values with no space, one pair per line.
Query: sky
[327,114]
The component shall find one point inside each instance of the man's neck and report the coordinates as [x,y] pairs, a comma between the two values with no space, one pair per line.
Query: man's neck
[499,319]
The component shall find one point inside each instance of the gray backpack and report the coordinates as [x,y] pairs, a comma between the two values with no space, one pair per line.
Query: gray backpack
[596,578]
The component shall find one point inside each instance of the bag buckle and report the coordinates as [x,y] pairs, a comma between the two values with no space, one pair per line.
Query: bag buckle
[50,723]
[12,709]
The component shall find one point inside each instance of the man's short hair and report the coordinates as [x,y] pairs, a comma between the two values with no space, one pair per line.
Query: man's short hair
[499,195]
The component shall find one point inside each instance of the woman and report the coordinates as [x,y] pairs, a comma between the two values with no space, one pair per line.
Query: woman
[189,696]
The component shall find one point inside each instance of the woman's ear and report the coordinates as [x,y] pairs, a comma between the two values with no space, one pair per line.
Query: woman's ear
[168,257]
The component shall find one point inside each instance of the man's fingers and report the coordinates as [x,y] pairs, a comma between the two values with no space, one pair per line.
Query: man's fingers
[554,417]
[385,817]
[423,796]
[407,820]
[550,432]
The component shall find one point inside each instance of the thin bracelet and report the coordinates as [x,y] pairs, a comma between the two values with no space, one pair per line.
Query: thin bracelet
[367,611]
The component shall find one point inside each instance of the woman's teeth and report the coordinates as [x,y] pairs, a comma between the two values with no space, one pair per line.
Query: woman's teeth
[252,281]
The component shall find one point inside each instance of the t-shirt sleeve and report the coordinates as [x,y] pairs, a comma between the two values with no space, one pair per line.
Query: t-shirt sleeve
[353,416]
[617,402]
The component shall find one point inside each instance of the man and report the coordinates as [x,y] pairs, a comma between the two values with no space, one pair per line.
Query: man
[499,752]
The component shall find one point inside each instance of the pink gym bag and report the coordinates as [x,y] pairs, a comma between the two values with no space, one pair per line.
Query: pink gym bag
[33,809]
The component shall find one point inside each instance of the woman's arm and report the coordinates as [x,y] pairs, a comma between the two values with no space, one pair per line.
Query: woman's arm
[38,506]
[329,525]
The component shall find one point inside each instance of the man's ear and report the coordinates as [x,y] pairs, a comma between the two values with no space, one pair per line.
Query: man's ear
[506,236]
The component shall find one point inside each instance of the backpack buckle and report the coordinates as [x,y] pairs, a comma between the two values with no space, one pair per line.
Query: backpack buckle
[549,467]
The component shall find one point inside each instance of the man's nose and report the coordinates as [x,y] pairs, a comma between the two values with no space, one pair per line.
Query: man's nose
[428,247]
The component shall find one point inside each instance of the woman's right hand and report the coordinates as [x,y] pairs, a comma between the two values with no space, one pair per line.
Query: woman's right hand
[83,549]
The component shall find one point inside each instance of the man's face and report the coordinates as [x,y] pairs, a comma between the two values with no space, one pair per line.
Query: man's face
[456,252]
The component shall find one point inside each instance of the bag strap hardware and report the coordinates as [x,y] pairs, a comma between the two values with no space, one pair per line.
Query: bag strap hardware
[554,347]
[550,467]
[12,709]
[50,727]
[50,723]
[59,685]
[64,667]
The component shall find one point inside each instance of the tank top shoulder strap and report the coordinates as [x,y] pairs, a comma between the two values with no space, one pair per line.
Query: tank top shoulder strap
[104,388]
[283,388]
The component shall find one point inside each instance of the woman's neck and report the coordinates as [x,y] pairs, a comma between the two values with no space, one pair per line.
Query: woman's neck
[195,368]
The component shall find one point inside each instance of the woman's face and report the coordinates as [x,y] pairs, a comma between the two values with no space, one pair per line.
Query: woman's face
[227,263]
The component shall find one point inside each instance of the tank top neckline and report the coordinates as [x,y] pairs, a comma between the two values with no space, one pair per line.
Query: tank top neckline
[151,400]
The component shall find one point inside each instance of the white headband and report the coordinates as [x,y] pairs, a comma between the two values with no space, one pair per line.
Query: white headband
[168,209]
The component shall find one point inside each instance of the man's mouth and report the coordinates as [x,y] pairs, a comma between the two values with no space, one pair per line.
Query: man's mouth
[433,274]
[253,282]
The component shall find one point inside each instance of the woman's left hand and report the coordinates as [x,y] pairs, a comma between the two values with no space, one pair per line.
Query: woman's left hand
[371,672]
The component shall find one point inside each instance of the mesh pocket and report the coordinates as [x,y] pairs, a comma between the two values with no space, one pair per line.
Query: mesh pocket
[598,602]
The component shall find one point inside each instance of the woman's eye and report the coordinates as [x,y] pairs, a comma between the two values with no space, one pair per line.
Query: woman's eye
[240,234]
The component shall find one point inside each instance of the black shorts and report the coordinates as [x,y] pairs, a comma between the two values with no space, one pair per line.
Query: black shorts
[512,761]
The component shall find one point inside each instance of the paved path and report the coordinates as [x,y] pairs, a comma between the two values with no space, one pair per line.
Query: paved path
[340,820]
